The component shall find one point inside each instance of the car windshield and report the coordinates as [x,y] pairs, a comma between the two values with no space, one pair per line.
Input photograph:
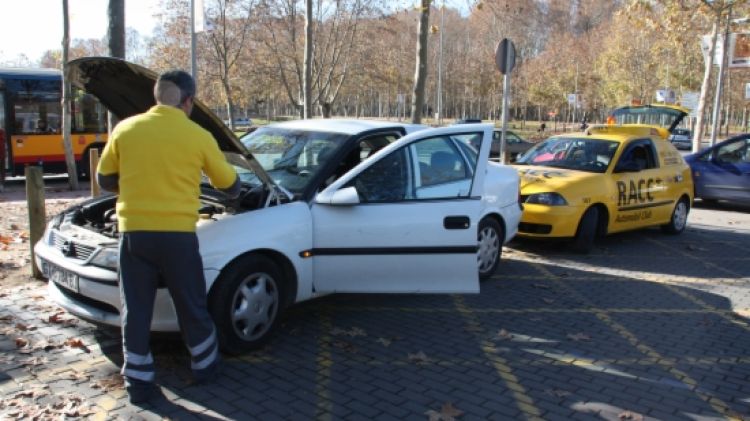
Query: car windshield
[291,157]
[575,153]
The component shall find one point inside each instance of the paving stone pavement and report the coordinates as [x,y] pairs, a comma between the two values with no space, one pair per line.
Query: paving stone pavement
[648,326]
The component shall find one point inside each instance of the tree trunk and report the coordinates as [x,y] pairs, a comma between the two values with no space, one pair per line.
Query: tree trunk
[116,40]
[307,84]
[420,73]
[699,130]
[70,160]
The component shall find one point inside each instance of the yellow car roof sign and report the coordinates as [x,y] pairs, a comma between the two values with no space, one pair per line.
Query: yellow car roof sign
[628,130]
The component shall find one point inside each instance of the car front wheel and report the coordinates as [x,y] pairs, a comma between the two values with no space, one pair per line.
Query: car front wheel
[678,221]
[246,303]
[490,238]
[586,234]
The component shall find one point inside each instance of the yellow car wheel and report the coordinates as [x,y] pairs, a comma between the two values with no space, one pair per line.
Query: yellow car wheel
[586,234]
[678,221]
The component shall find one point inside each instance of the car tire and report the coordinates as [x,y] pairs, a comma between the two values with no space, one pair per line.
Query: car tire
[678,220]
[247,302]
[490,238]
[586,233]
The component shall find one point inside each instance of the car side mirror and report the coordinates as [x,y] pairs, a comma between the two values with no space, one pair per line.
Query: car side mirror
[627,166]
[346,196]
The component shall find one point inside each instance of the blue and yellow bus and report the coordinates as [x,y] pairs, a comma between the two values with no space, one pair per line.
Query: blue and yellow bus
[31,117]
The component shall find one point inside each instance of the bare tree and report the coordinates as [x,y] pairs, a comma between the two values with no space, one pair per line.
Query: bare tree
[331,49]
[420,74]
[232,20]
[116,45]
[70,160]
[307,66]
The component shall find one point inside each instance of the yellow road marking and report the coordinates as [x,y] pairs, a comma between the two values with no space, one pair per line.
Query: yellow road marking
[324,363]
[523,401]
[717,404]
[696,258]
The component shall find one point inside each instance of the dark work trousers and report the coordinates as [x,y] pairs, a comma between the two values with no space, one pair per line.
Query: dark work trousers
[146,257]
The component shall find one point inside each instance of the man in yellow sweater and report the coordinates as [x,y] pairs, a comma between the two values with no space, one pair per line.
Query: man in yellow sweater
[154,161]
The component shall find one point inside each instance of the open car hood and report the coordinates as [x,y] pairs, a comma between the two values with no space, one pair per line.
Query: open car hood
[657,115]
[127,89]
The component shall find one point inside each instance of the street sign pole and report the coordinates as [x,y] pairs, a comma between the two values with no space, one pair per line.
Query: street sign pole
[505,59]
[506,91]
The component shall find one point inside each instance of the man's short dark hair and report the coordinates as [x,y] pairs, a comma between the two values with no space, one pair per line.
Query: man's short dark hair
[183,80]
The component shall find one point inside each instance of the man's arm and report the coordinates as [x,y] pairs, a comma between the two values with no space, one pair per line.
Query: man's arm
[108,170]
[109,182]
[218,170]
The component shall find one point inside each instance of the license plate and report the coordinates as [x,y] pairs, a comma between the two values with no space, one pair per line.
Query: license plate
[63,278]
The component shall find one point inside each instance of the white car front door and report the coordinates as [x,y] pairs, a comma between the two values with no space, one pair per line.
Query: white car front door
[405,220]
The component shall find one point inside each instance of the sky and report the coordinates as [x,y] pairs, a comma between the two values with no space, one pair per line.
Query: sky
[32,27]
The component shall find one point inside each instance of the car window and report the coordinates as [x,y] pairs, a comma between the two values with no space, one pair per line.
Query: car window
[584,154]
[734,152]
[641,153]
[437,167]
[293,157]
[385,181]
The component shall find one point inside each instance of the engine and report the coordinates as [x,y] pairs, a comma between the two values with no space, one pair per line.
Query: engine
[99,215]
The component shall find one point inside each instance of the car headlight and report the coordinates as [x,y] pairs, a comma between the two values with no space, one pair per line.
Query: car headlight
[549,199]
[107,257]
[54,223]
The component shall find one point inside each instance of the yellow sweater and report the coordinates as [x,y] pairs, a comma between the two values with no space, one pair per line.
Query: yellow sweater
[159,156]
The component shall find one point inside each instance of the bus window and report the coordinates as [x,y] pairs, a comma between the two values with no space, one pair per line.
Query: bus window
[88,114]
[37,109]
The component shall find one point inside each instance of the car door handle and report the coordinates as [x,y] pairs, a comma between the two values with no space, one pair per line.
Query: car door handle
[456,222]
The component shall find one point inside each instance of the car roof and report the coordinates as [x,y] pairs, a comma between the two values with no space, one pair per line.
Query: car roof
[616,133]
[346,126]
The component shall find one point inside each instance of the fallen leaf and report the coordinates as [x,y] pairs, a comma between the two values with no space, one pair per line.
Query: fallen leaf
[4,239]
[632,416]
[419,358]
[504,334]
[558,393]
[346,346]
[353,332]
[579,337]
[6,318]
[77,343]
[24,327]
[695,248]
[115,381]
[384,341]
[33,361]
[447,413]
[21,342]
[14,227]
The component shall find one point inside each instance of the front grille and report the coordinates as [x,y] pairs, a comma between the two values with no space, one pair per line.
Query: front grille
[534,228]
[70,248]
[82,299]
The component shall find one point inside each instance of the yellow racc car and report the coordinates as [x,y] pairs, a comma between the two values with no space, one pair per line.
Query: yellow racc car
[610,178]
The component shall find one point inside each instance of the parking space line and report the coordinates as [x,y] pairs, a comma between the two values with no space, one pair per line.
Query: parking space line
[695,258]
[730,317]
[717,404]
[524,402]
[324,362]
[542,310]
[616,275]
[561,360]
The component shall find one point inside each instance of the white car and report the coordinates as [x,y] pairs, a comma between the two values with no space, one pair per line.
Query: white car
[327,206]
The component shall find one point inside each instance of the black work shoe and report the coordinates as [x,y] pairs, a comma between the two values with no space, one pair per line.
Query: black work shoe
[144,392]
[210,374]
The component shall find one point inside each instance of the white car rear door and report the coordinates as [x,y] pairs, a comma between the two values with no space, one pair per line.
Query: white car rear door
[406,219]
